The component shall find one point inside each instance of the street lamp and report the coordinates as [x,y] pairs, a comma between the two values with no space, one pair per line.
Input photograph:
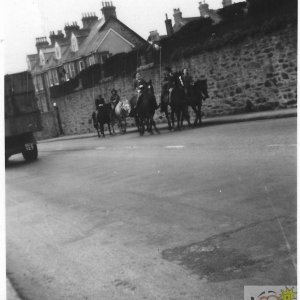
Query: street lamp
[58,118]
[158,48]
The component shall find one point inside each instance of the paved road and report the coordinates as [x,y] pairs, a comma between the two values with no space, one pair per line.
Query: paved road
[195,214]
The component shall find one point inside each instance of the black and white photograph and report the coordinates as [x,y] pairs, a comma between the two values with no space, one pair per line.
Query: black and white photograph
[149,150]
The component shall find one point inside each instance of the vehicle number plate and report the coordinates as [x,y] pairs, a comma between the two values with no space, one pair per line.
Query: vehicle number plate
[29,146]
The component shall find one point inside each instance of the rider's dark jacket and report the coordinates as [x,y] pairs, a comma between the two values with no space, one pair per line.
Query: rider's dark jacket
[187,80]
[168,82]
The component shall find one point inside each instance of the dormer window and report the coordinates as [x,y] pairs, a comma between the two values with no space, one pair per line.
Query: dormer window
[42,58]
[74,44]
[57,51]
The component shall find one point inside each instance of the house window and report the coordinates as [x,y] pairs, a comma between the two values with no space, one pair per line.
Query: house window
[35,84]
[51,81]
[66,73]
[55,77]
[81,65]
[72,70]
[74,44]
[57,51]
[39,83]
[91,60]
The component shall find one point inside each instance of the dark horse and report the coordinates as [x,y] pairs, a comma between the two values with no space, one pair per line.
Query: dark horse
[196,95]
[101,117]
[178,103]
[145,111]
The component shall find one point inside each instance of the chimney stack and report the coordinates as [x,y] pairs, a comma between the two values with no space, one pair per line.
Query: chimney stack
[108,10]
[169,26]
[69,28]
[226,3]
[41,42]
[154,36]
[89,19]
[177,16]
[56,37]
[204,9]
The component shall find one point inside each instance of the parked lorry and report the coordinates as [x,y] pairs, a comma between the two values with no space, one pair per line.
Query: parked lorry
[22,116]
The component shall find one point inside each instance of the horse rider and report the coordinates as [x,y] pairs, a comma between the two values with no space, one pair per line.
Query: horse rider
[186,81]
[99,101]
[114,99]
[168,82]
[139,85]
[155,106]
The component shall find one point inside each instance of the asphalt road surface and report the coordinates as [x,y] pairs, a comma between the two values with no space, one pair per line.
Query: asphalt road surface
[196,214]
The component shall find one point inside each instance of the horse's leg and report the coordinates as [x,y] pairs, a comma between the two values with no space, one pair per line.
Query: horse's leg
[150,121]
[109,129]
[142,126]
[173,118]
[102,129]
[194,107]
[178,119]
[154,125]
[97,129]
[113,126]
[200,113]
[166,112]
[125,125]
[187,115]
[182,115]
[137,122]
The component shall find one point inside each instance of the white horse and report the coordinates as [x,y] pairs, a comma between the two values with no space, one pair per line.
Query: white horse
[119,115]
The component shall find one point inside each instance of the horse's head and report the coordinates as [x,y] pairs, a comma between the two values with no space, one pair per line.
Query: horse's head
[126,106]
[200,86]
[177,79]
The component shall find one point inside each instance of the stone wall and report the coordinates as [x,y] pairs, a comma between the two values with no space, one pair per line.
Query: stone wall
[257,74]
[50,126]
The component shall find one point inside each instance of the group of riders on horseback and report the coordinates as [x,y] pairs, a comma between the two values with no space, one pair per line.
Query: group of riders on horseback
[178,91]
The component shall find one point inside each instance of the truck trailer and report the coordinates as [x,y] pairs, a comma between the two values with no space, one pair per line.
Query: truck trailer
[22,116]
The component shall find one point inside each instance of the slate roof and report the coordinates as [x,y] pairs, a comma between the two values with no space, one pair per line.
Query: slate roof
[88,42]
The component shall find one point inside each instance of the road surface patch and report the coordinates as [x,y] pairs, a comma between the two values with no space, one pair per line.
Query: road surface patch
[236,254]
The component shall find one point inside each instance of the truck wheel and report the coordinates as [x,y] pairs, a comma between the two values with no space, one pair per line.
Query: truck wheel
[30,155]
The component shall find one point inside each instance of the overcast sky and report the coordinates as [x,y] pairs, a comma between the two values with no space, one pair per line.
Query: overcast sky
[24,20]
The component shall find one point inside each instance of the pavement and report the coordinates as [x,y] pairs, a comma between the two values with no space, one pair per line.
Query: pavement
[274,114]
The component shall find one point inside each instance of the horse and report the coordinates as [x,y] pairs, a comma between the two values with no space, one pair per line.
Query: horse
[101,117]
[178,103]
[196,95]
[119,115]
[143,114]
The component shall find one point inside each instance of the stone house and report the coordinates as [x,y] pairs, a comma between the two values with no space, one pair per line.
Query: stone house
[68,54]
